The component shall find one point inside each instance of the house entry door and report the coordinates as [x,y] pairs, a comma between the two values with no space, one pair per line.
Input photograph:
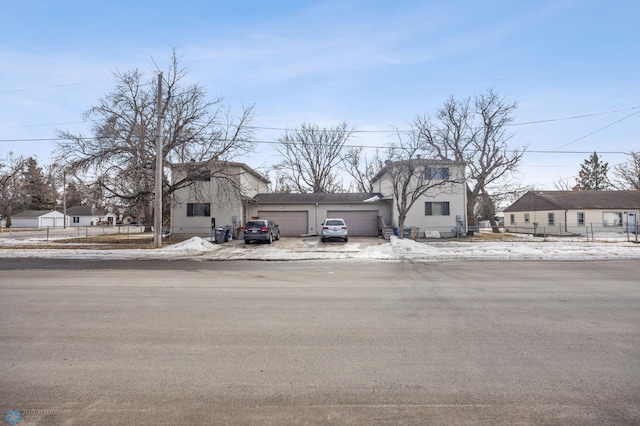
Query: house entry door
[632,223]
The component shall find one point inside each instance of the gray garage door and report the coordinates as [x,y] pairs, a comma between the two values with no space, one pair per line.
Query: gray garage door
[291,224]
[361,223]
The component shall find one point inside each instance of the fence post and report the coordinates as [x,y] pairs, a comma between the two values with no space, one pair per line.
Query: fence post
[47,234]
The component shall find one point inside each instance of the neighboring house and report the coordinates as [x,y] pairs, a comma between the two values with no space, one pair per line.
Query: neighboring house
[89,216]
[242,195]
[220,200]
[302,214]
[442,210]
[38,219]
[574,212]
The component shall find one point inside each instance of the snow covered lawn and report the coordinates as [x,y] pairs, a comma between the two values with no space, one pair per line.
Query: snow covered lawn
[196,248]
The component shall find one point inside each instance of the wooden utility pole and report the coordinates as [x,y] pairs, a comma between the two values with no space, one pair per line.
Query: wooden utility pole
[157,213]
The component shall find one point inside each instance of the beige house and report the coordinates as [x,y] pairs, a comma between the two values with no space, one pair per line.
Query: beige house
[233,194]
[302,214]
[442,209]
[574,212]
[217,197]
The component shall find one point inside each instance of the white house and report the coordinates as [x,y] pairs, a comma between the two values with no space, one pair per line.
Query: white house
[38,219]
[89,216]
[442,209]
[574,212]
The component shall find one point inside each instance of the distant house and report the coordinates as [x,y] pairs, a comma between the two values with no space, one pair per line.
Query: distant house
[89,216]
[574,212]
[38,219]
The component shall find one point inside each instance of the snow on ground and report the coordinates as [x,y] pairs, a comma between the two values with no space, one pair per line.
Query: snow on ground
[196,248]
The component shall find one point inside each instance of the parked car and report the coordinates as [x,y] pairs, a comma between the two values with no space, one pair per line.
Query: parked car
[261,230]
[334,228]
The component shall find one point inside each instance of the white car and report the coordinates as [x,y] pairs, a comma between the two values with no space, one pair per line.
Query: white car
[334,228]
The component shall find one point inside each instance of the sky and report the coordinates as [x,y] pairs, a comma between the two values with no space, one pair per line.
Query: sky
[572,67]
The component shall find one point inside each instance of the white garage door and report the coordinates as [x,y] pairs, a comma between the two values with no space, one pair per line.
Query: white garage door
[361,223]
[48,221]
[291,224]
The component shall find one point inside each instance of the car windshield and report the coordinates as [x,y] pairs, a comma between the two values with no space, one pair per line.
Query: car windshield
[256,224]
[334,223]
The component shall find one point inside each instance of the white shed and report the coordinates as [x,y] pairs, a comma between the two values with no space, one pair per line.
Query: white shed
[38,219]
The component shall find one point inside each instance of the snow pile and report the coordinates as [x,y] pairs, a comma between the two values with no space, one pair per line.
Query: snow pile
[191,246]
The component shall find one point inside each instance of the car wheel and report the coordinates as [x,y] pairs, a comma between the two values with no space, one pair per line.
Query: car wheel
[324,240]
[270,240]
[247,241]
[346,239]
[278,236]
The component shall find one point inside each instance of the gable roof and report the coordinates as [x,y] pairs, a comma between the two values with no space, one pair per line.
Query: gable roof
[33,213]
[323,198]
[222,164]
[427,162]
[85,211]
[576,200]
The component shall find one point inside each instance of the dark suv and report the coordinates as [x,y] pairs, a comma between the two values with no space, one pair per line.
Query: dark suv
[261,230]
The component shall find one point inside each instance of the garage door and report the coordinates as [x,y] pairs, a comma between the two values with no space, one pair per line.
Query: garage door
[48,222]
[291,224]
[361,223]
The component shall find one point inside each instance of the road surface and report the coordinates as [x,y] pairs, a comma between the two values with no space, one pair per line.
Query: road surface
[183,343]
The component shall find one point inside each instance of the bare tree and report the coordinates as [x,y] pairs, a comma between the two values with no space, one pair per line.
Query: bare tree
[120,156]
[361,168]
[474,131]
[410,176]
[627,175]
[12,194]
[311,157]
[563,184]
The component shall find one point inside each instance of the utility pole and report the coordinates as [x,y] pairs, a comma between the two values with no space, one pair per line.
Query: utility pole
[157,214]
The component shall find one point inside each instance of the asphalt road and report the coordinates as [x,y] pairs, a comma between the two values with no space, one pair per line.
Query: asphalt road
[184,343]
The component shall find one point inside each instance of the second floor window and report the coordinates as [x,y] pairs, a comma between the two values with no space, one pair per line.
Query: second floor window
[198,209]
[436,173]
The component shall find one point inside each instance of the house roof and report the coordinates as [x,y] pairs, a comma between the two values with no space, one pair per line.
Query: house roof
[296,198]
[85,211]
[201,164]
[424,161]
[576,200]
[33,213]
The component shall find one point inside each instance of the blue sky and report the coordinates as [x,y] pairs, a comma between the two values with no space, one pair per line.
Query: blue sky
[374,64]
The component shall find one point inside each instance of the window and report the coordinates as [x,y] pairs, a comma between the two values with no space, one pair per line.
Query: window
[551,219]
[436,173]
[200,175]
[526,218]
[76,219]
[612,218]
[581,218]
[198,209]
[512,219]
[436,208]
